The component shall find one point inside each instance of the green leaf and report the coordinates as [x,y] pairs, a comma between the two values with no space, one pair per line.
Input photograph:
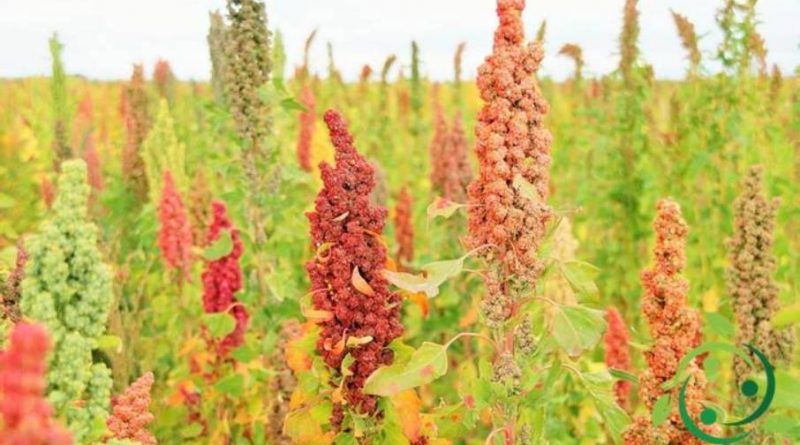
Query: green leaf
[444,208]
[231,385]
[219,324]
[427,364]
[289,104]
[580,275]
[191,430]
[614,418]
[577,328]
[661,409]
[623,375]
[435,274]
[244,353]
[720,324]
[787,316]
[221,247]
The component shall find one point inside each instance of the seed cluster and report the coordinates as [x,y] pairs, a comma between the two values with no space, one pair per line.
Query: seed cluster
[674,327]
[307,120]
[222,278]
[513,149]
[404,227]
[617,353]
[130,412]
[134,107]
[175,235]
[749,277]
[27,417]
[345,229]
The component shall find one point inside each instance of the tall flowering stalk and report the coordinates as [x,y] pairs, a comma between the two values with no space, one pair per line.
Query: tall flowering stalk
[26,416]
[134,106]
[164,80]
[628,42]
[130,413]
[458,99]
[58,89]
[161,152]
[753,291]
[216,49]
[67,287]
[404,227]
[513,147]
[248,67]
[688,37]
[345,226]
[175,233]
[222,278]
[307,119]
[618,353]
[675,329]
[438,151]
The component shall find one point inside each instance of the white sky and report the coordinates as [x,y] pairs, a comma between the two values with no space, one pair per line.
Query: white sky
[104,37]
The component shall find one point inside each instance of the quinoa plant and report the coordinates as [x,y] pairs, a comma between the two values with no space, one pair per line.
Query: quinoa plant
[67,288]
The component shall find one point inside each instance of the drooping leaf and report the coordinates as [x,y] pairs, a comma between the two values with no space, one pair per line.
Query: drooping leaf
[435,274]
[221,247]
[623,375]
[577,328]
[219,324]
[426,364]
[360,283]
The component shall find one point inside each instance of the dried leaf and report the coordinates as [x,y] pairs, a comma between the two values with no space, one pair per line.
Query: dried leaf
[360,283]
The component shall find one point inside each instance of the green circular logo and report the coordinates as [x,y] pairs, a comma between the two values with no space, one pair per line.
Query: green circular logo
[749,389]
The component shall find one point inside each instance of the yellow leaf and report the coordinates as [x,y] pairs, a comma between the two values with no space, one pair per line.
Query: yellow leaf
[407,405]
[421,300]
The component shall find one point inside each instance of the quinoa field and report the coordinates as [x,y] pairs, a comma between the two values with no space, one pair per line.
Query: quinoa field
[284,255]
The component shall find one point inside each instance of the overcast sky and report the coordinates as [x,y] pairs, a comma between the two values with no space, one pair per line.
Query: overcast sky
[104,37]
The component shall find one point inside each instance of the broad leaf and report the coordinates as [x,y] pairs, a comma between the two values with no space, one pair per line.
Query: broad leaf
[580,275]
[435,274]
[577,328]
[221,247]
[426,364]
[219,324]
